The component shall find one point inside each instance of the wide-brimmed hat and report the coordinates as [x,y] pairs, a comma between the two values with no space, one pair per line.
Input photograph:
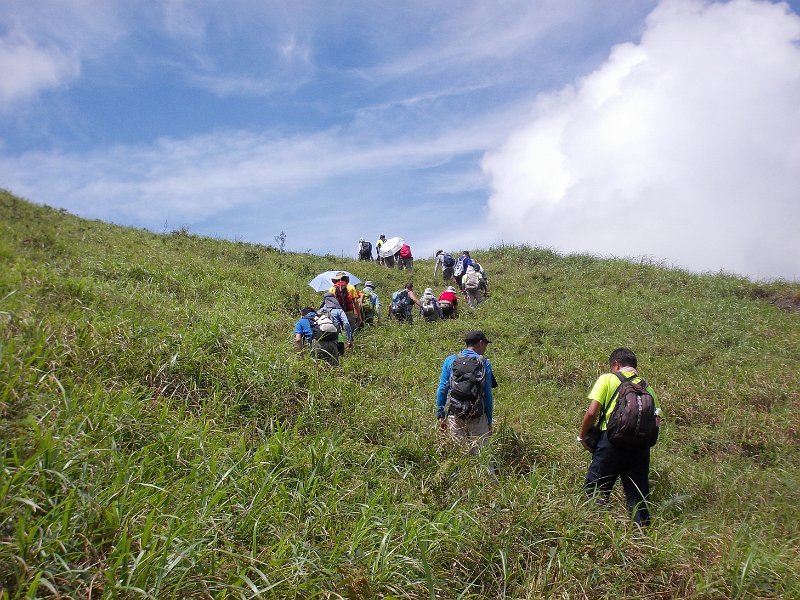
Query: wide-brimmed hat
[369,284]
[450,288]
[428,291]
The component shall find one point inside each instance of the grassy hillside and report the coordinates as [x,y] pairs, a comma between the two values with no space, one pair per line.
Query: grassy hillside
[161,439]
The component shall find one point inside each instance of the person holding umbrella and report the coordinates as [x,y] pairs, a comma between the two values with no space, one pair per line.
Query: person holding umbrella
[348,297]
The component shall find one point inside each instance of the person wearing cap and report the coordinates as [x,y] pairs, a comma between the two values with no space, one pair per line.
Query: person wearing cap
[348,297]
[364,249]
[429,309]
[448,302]
[370,304]
[378,244]
[475,428]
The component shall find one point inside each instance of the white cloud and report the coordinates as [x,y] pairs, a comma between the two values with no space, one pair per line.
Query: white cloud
[683,147]
[44,44]
[29,68]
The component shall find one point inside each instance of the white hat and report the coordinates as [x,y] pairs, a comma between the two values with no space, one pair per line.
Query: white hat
[428,291]
[450,288]
[369,284]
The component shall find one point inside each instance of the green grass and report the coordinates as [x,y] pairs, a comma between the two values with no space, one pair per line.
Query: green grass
[160,438]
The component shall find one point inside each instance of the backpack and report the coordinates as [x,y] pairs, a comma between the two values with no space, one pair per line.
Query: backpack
[632,423]
[405,251]
[472,281]
[465,397]
[428,309]
[367,310]
[366,248]
[448,261]
[343,296]
[400,302]
[459,266]
[322,326]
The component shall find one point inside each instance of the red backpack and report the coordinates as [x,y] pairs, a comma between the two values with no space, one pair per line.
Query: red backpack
[343,296]
[405,251]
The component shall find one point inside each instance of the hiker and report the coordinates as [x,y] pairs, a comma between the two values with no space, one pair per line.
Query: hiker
[471,284]
[464,402]
[370,304]
[618,453]
[448,264]
[321,330]
[378,243]
[402,303]
[347,295]
[429,309]
[364,250]
[462,263]
[404,258]
[448,302]
[484,278]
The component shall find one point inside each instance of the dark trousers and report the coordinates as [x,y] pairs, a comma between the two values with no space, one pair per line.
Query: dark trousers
[631,465]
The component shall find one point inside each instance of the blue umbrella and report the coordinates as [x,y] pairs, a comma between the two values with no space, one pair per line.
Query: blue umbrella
[324,281]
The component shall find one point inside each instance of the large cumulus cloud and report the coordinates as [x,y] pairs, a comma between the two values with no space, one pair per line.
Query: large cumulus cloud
[684,147]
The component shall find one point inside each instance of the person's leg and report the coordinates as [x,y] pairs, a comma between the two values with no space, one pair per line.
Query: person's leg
[326,351]
[636,483]
[603,470]
[478,430]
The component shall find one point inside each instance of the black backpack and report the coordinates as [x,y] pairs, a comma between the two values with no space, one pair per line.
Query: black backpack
[465,398]
[633,422]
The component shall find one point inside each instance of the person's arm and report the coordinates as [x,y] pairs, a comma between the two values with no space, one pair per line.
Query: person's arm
[414,298]
[438,309]
[589,419]
[346,325]
[488,397]
[298,342]
[441,391]
[436,265]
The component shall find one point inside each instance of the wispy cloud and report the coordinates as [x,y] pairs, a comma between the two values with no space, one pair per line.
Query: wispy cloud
[684,146]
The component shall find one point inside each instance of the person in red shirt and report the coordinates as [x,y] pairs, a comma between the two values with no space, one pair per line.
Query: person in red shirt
[448,302]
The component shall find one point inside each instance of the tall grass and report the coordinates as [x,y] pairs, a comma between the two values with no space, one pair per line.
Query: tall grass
[161,439]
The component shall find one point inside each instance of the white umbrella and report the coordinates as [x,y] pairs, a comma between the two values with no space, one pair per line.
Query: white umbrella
[324,281]
[390,246]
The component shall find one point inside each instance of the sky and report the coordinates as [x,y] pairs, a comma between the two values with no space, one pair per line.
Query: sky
[660,130]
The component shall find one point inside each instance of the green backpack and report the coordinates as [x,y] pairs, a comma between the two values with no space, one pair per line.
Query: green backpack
[367,310]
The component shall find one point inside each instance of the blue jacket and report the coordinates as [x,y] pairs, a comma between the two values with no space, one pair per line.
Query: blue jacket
[444,385]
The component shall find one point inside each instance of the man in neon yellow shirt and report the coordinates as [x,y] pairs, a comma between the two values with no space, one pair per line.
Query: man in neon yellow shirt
[609,462]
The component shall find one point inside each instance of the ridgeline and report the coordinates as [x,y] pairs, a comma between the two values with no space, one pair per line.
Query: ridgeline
[161,439]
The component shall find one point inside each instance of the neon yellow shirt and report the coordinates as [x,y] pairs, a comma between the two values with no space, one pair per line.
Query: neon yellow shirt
[604,388]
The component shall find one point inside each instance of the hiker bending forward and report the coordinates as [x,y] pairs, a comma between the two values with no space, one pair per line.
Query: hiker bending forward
[625,459]
[464,400]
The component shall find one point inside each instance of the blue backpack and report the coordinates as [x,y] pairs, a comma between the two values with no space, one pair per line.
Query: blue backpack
[448,261]
[401,304]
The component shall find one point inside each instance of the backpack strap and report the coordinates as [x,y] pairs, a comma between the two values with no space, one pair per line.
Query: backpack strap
[622,379]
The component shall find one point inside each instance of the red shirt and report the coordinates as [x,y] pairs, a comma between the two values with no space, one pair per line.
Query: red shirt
[450,297]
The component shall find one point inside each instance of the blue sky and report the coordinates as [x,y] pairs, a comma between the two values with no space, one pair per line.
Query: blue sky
[452,124]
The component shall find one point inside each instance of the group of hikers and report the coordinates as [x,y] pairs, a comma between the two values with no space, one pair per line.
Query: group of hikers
[619,426]
[402,256]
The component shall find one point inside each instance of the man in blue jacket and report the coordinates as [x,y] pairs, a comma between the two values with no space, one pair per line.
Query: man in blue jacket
[464,402]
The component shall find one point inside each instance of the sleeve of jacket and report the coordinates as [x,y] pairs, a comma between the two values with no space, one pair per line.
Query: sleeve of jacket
[487,389]
[444,382]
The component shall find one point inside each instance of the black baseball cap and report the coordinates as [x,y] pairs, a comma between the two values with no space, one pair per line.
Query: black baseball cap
[476,336]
